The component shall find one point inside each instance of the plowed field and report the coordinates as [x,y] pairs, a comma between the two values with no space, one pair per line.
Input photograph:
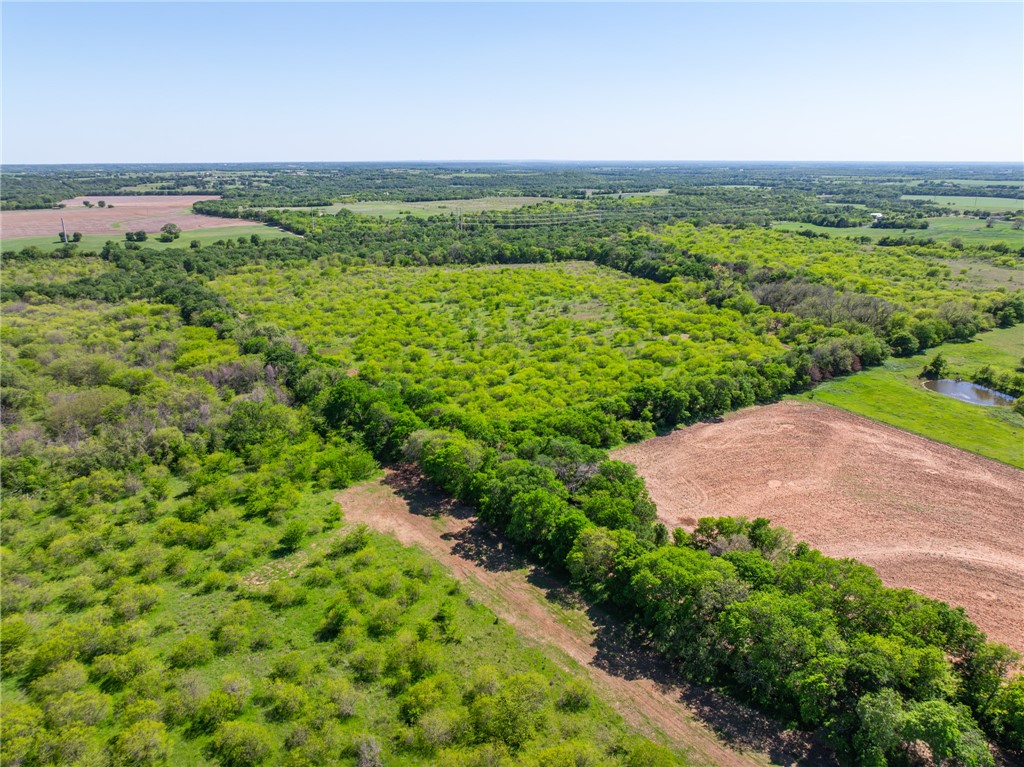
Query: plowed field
[926,516]
[147,212]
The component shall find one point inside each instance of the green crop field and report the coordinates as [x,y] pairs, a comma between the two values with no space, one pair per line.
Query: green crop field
[894,395]
[95,242]
[992,204]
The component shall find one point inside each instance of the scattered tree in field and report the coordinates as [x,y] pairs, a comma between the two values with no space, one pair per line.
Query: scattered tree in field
[936,368]
[293,534]
[76,237]
[102,203]
[169,232]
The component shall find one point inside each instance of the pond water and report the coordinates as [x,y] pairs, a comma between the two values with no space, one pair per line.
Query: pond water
[965,391]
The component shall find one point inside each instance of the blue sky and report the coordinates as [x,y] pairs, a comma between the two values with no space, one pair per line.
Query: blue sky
[236,82]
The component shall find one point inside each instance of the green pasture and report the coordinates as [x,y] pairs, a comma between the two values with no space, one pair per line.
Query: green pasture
[394,209]
[397,208]
[94,242]
[979,182]
[992,204]
[985,275]
[894,395]
[941,229]
[623,195]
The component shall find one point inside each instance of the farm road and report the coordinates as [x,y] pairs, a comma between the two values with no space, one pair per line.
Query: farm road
[713,729]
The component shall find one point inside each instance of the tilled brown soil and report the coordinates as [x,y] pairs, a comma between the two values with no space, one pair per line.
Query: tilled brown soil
[926,516]
[712,729]
[129,214]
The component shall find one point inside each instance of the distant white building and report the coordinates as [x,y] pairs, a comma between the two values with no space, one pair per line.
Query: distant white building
[877,215]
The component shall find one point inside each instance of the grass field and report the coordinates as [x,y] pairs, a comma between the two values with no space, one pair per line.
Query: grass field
[441,207]
[941,229]
[984,275]
[983,182]
[396,208]
[94,242]
[993,204]
[893,394]
[623,195]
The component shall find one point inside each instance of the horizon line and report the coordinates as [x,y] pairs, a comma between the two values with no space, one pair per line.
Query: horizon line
[524,161]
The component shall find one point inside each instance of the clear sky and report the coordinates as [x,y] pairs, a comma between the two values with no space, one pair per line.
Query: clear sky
[237,82]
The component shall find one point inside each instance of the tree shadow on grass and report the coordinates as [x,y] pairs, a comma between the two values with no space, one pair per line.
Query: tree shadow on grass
[621,649]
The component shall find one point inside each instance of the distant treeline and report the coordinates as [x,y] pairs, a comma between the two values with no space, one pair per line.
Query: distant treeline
[878,186]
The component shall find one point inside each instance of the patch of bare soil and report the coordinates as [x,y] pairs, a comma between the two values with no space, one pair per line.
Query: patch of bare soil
[946,523]
[145,212]
[545,612]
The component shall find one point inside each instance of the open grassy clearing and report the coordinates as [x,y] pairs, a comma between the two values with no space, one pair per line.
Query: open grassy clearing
[982,182]
[941,229]
[624,195]
[924,515]
[893,394]
[95,242]
[992,204]
[423,209]
[442,207]
[985,275]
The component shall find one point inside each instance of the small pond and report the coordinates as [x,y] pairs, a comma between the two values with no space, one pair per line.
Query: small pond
[965,391]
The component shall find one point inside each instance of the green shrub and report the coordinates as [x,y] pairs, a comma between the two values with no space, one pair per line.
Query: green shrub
[242,744]
[193,650]
[144,743]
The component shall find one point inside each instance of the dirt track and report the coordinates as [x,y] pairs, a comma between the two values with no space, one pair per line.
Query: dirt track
[713,729]
[129,214]
[926,516]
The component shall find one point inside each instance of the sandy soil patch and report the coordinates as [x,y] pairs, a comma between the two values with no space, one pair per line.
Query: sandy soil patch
[713,729]
[926,516]
[146,212]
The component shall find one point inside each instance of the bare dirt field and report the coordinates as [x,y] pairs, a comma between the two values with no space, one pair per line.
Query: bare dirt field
[712,729]
[129,214]
[946,523]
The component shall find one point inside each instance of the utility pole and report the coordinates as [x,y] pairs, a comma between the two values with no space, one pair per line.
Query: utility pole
[64,230]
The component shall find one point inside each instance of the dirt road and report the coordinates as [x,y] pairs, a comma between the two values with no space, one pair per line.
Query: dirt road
[713,729]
